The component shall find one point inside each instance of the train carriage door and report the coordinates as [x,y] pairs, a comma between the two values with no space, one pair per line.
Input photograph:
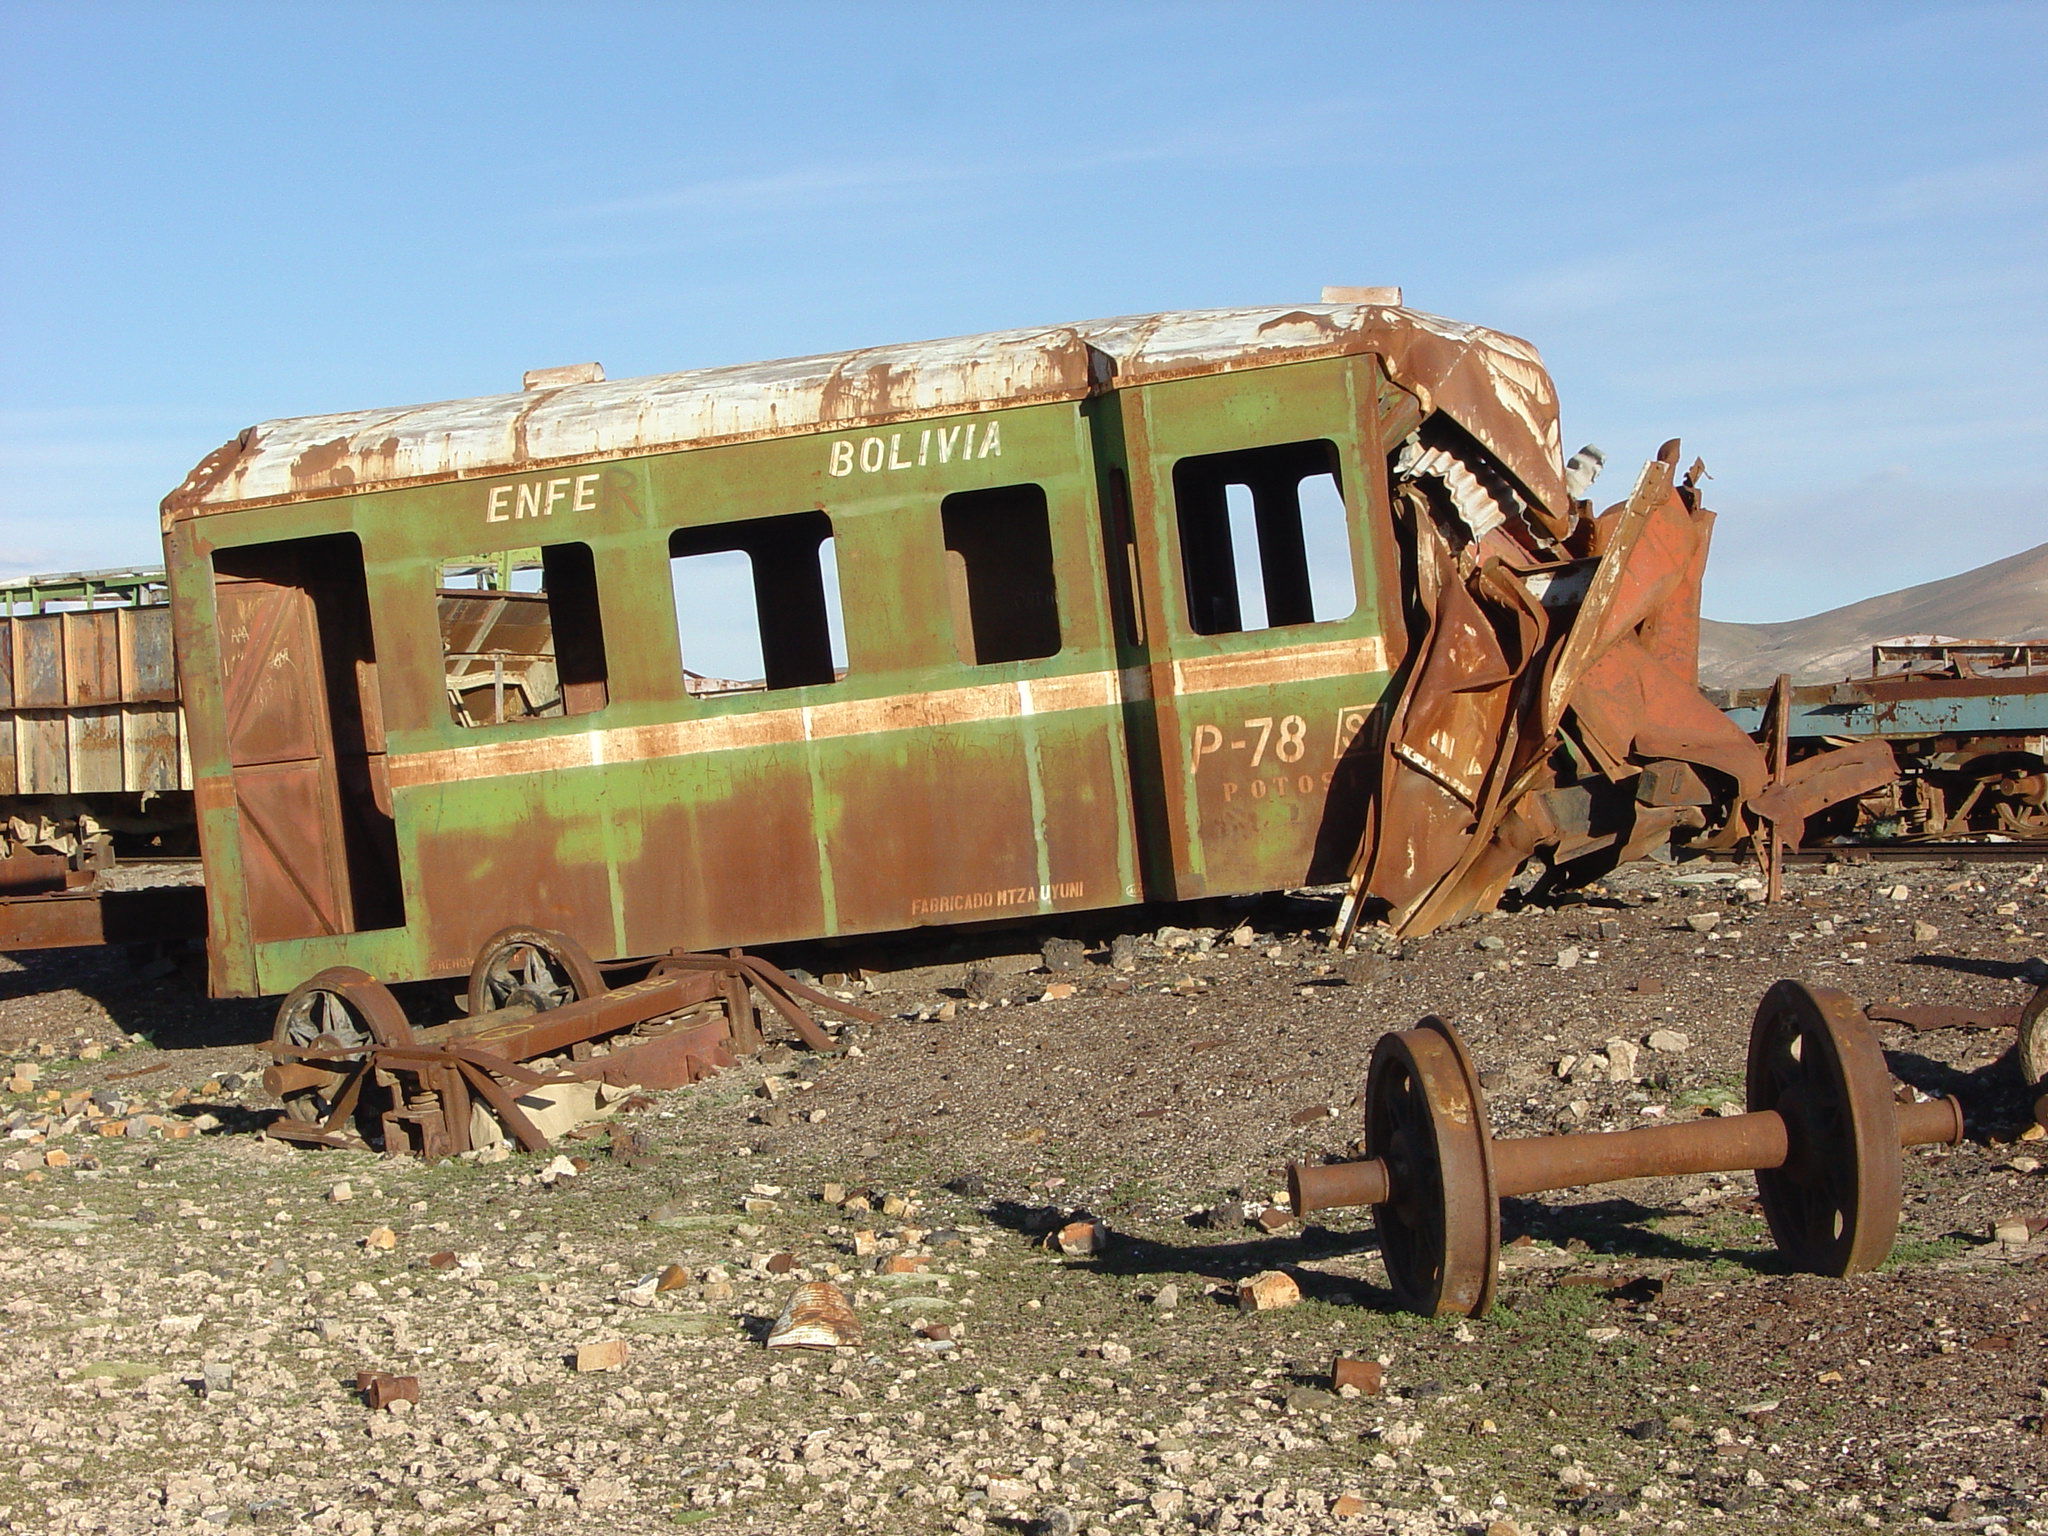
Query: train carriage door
[305,739]
[1260,515]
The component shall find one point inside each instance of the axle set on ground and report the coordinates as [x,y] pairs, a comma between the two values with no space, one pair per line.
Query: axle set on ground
[1823,1134]
[351,1069]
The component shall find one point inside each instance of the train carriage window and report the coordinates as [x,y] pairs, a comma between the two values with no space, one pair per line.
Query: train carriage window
[520,636]
[999,574]
[1264,539]
[757,604]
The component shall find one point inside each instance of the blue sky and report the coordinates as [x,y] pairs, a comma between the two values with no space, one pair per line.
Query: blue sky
[1807,239]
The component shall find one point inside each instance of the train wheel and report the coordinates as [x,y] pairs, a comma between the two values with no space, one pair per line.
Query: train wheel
[535,966]
[342,1011]
[1834,1207]
[1439,1230]
[2033,1047]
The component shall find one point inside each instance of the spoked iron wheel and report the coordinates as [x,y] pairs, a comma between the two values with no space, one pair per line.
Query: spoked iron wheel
[339,1012]
[535,967]
[1833,1209]
[1440,1233]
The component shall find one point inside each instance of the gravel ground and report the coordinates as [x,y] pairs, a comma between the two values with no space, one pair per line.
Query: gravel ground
[188,1305]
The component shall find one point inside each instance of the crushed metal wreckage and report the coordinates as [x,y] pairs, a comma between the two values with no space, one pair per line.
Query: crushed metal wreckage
[1551,705]
[1823,1133]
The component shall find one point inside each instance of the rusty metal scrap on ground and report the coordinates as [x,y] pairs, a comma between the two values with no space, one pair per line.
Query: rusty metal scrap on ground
[546,1045]
[1924,1017]
[1551,705]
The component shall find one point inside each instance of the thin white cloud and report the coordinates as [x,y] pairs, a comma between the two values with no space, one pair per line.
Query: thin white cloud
[1985,186]
[797,189]
[800,187]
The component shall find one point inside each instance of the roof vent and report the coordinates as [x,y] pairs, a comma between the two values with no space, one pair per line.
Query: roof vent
[1363,296]
[570,373]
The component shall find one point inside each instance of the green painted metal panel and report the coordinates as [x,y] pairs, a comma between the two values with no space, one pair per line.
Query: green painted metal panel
[916,788]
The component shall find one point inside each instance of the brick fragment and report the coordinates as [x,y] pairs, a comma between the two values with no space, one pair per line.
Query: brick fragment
[1268,1292]
[602,1355]
[1365,1376]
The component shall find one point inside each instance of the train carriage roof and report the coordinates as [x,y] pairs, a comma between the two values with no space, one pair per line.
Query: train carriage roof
[1492,384]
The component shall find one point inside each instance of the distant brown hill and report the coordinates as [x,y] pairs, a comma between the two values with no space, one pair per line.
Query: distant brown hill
[2005,600]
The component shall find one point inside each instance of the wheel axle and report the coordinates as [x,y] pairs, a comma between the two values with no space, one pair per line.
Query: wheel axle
[1823,1134]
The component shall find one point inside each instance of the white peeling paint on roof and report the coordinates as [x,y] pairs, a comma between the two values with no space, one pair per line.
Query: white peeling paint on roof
[315,456]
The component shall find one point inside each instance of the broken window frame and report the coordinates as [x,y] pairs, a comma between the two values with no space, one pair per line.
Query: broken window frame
[810,654]
[1212,569]
[568,592]
[995,622]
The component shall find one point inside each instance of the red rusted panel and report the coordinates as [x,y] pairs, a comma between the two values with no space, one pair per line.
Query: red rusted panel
[152,914]
[270,652]
[39,662]
[96,751]
[693,825]
[149,673]
[302,859]
[1827,778]
[92,657]
[290,869]
[969,852]
[473,882]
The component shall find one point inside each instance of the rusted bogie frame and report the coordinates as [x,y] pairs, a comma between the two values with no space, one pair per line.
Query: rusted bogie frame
[1823,1134]
[342,1035]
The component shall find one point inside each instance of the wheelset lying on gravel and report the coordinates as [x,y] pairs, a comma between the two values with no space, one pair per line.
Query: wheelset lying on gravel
[1823,1133]
[352,1071]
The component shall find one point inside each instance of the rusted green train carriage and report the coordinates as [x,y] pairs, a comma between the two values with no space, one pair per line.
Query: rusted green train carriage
[1116,600]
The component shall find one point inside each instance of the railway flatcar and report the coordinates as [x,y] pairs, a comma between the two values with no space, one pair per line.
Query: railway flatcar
[1144,609]
[1966,720]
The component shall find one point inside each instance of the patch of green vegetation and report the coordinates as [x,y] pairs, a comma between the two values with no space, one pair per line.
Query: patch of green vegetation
[1713,1096]
[1928,1250]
